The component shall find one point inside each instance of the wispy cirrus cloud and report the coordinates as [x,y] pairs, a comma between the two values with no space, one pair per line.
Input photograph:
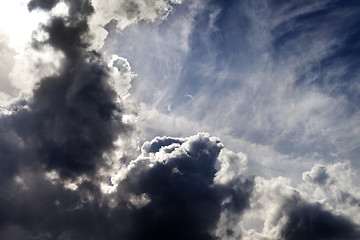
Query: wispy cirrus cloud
[279,75]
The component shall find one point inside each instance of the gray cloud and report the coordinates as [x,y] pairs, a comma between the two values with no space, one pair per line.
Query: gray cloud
[334,185]
[279,211]
[54,145]
[176,196]
[310,221]
[42,4]
[184,200]
[74,117]
[317,175]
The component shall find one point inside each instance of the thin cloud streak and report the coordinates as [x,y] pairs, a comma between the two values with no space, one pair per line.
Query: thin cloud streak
[270,80]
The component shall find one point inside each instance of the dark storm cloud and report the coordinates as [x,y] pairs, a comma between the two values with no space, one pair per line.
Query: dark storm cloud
[183,201]
[311,221]
[42,4]
[36,207]
[13,148]
[73,118]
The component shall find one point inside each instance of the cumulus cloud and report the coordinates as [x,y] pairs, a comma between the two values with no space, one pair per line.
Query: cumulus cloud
[310,221]
[280,211]
[167,192]
[79,100]
[55,144]
[178,177]
[70,125]
[334,185]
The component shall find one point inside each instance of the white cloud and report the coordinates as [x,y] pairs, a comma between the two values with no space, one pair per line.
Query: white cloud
[232,165]
[126,13]
[23,66]
[140,201]
[121,75]
[335,186]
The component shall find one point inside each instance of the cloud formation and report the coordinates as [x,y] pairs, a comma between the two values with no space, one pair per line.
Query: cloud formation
[169,191]
[310,221]
[66,170]
[125,13]
[74,117]
[54,144]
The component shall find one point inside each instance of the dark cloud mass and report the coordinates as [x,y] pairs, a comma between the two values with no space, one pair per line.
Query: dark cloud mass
[185,201]
[44,4]
[311,221]
[63,132]
[55,146]
[73,117]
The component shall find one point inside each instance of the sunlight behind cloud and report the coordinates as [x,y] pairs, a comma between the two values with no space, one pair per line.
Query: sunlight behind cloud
[18,23]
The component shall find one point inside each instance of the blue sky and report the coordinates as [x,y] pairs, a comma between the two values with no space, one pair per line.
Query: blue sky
[265,76]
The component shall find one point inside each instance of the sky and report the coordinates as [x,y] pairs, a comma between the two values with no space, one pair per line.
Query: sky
[179,119]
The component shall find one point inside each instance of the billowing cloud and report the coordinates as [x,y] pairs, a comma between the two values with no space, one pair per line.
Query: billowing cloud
[279,211]
[79,100]
[334,185]
[55,145]
[169,191]
[177,176]
[310,221]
